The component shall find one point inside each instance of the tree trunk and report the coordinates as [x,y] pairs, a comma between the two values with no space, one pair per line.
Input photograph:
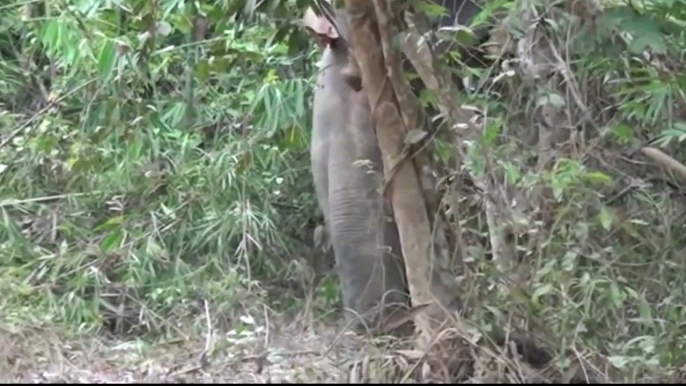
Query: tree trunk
[394,110]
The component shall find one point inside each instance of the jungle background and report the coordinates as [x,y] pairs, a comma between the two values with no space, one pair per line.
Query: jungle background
[159,222]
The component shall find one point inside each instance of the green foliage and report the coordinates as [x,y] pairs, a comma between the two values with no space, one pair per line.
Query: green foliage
[143,168]
[597,231]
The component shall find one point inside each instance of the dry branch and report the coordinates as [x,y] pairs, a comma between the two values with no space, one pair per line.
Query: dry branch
[663,159]
[417,51]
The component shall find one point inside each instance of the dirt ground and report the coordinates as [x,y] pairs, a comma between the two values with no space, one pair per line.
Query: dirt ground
[276,349]
[282,353]
[287,354]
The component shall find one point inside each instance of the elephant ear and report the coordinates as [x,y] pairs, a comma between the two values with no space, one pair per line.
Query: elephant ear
[321,26]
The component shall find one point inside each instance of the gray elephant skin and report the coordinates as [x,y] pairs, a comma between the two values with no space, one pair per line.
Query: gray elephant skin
[348,176]
[346,166]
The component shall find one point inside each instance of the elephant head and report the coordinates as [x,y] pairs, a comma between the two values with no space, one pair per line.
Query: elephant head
[328,34]
[332,31]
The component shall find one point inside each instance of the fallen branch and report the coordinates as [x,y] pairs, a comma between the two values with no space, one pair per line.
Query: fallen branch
[665,160]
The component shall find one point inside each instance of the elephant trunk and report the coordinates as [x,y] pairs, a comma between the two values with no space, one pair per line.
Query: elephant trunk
[369,265]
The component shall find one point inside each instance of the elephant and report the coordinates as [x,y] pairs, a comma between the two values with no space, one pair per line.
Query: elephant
[348,175]
[347,171]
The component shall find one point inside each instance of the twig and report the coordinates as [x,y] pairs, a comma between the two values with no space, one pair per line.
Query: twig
[203,358]
[56,197]
[665,160]
[337,339]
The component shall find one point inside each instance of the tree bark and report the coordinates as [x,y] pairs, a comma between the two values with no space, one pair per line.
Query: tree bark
[394,110]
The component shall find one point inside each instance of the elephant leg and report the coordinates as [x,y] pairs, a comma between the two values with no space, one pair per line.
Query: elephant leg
[370,270]
[366,244]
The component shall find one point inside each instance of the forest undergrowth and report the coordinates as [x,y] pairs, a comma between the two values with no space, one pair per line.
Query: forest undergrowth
[159,222]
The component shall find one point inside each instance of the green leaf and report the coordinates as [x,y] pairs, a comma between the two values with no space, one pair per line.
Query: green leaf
[616,296]
[605,218]
[202,70]
[164,28]
[430,9]
[645,311]
[618,361]
[112,241]
[512,173]
[50,34]
[111,223]
[653,42]
[540,291]
[552,98]
[491,133]
[599,177]
[153,249]
[622,132]
[569,260]
[106,59]
[444,151]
